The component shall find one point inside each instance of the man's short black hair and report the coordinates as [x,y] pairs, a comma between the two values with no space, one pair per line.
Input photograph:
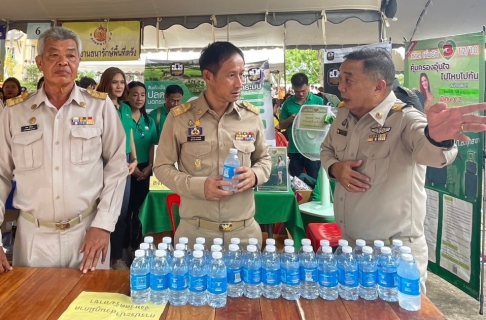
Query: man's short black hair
[85,82]
[378,63]
[173,89]
[213,56]
[299,79]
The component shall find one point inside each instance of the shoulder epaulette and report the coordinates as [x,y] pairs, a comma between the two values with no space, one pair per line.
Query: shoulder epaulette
[97,94]
[181,109]
[399,107]
[16,100]
[407,90]
[340,104]
[248,106]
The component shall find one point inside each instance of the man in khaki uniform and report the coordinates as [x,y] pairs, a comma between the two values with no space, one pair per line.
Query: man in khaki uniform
[378,149]
[56,142]
[198,136]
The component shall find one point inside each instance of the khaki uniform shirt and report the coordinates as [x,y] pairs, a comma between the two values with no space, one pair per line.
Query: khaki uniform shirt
[58,165]
[198,160]
[1,107]
[394,206]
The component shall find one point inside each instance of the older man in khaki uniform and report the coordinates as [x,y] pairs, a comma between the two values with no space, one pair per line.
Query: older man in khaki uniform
[378,149]
[198,136]
[66,147]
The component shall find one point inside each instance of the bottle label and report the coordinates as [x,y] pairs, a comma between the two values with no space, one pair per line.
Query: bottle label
[328,279]
[308,274]
[139,282]
[410,287]
[179,282]
[234,276]
[228,172]
[197,284]
[270,277]
[367,279]
[252,276]
[348,278]
[159,283]
[217,285]
[290,277]
[388,279]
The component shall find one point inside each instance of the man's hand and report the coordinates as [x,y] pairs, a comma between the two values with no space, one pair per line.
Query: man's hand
[137,173]
[350,179]
[449,123]
[247,178]
[95,243]
[212,189]
[132,166]
[145,173]
[4,265]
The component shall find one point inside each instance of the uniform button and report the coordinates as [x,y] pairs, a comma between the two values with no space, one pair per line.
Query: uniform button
[58,197]
[57,142]
[57,168]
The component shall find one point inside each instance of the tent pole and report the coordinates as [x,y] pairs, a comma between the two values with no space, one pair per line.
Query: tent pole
[285,62]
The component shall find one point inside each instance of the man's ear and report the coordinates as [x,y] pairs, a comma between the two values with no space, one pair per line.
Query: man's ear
[207,75]
[38,62]
[380,86]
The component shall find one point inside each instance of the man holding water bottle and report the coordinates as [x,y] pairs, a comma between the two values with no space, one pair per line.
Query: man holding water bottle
[198,136]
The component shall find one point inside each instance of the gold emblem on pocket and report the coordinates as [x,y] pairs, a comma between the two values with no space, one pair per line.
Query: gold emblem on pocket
[198,164]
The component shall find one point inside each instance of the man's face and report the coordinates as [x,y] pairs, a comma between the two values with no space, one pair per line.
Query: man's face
[357,89]
[173,100]
[301,93]
[226,84]
[59,62]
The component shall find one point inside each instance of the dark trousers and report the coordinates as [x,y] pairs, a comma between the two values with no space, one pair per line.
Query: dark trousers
[298,162]
[116,237]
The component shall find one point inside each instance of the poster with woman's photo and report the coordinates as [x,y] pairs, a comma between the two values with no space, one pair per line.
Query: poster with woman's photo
[278,181]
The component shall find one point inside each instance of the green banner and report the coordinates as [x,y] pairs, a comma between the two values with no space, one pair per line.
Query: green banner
[451,70]
[256,85]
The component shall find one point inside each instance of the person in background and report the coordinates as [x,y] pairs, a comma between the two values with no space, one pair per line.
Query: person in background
[290,108]
[87,83]
[113,82]
[173,97]
[40,82]
[70,177]
[11,88]
[407,96]
[425,91]
[276,113]
[145,137]
[320,92]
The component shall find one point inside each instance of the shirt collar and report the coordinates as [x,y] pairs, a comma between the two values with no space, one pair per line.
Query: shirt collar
[380,112]
[201,106]
[75,96]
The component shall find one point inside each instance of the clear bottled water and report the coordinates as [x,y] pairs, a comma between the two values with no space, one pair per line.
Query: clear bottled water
[408,284]
[252,272]
[233,261]
[387,276]
[348,275]
[254,242]
[159,278]
[322,243]
[197,280]
[197,247]
[219,242]
[217,281]
[178,280]
[185,242]
[140,278]
[162,246]
[168,241]
[358,250]
[304,242]
[214,248]
[377,249]
[289,271]
[342,243]
[288,243]
[202,241]
[368,271]
[397,244]
[148,253]
[236,241]
[328,273]
[271,288]
[269,242]
[309,287]
[230,164]
[405,249]
[150,241]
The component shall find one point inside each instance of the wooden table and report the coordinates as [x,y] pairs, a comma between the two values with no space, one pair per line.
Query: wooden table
[45,293]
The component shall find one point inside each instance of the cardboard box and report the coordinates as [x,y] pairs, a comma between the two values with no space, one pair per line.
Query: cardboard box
[10,216]
[304,197]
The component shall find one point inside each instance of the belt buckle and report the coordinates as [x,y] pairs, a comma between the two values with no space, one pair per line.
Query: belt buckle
[225,227]
[63,225]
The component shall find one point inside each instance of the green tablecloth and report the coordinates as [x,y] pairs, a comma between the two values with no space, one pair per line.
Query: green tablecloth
[271,207]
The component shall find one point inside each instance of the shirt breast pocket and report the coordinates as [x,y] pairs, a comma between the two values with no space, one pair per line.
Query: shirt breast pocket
[245,149]
[85,145]
[377,163]
[28,150]
[196,158]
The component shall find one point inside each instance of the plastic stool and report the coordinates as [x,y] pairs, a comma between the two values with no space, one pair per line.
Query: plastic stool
[323,231]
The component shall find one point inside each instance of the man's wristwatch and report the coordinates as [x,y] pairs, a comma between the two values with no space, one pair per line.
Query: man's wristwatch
[444,144]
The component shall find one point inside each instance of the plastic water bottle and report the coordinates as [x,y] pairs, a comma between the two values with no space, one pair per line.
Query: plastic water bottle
[397,244]
[197,280]
[178,280]
[162,246]
[368,271]
[198,247]
[230,164]
[233,261]
[140,278]
[405,249]
[322,243]
[219,242]
[358,250]
[159,278]
[214,248]
[148,253]
[252,272]
[185,242]
[377,249]
[348,275]
[408,284]
[289,271]
[309,287]
[269,242]
[288,243]
[150,241]
[271,288]
[254,242]
[236,241]
[304,242]
[387,276]
[202,241]
[170,248]
[217,281]
[328,273]
[342,243]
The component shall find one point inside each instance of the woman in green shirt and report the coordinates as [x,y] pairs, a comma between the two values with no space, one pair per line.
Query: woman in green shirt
[145,136]
[113,82]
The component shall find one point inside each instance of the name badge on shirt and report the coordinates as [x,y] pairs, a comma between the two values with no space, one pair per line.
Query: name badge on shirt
[31,127]
[195,134]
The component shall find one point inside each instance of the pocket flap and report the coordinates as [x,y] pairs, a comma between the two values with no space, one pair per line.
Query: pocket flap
[197,148]
[86,133]
[377,152]
[27,138]
[244,146]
